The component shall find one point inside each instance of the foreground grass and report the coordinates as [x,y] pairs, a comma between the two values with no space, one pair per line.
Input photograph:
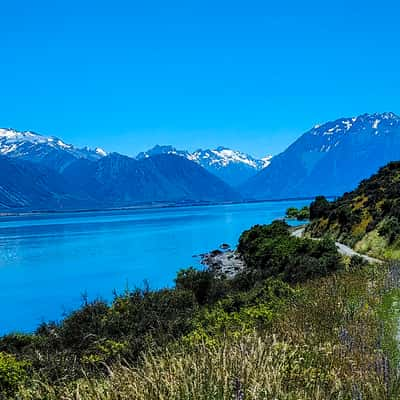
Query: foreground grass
[254,367]
[334,340]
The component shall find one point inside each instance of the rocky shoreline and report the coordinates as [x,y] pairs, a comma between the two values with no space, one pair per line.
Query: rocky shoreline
[224,261]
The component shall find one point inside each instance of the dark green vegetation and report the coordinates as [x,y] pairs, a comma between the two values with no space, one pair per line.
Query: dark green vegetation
[271,251]
[367,218]
[299,214]
[298,323]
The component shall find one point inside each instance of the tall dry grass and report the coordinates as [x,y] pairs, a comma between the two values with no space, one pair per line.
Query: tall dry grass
[253,368]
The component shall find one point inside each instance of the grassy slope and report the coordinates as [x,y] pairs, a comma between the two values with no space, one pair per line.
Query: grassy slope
[368,217]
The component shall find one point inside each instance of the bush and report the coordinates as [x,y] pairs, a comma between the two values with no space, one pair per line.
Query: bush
[357,262]
[198,282]
[390,229]
[300,215]
[271,251]
[319,208]
[292,212]
[303,214]
[12,374]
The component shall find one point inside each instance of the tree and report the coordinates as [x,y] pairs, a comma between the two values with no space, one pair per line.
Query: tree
[198,282]
[303,214]
[292,212]
[319,208]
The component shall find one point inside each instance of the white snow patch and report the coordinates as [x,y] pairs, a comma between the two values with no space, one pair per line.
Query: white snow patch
[100,152]
[376,123]
[348,124]
[266,161]
[226,156]
[62,144]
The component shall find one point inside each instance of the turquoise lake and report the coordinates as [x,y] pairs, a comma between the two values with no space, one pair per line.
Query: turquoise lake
[49,261]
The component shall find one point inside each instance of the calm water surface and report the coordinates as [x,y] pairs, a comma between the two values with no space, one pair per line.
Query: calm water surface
[47,262]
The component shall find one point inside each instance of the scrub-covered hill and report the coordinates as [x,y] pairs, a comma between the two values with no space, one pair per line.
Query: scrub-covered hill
[367,218]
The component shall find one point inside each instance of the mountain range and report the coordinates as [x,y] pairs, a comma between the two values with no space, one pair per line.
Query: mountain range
[231,166]
[40,172]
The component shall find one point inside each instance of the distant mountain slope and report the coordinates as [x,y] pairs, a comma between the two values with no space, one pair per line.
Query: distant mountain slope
[28,186]
[51,152]
[368,218]
[330,158]
[232,166]
[121,180]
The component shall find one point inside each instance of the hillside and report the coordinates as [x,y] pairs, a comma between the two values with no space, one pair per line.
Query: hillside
[368,218]
[117,180]
[330,159]
[29,186]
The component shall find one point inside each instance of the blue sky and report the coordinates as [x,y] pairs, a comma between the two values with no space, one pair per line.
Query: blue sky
[251,75]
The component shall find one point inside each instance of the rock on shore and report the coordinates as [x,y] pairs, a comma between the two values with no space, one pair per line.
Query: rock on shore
[227,263]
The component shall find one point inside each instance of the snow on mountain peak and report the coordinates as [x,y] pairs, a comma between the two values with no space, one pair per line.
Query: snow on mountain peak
[35,147]
[344,125]
[332,133]
[100,151]
[222,157]
[219,157]
[266,161]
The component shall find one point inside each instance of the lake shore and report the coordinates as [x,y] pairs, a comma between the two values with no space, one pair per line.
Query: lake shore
[224,262]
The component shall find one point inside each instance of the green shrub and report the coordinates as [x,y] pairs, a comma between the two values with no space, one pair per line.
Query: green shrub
[292,212]
[303,214]
[319,208]
[357,262]
[300,215]
[199,282]
[13,373]
[271,251]
[390,229]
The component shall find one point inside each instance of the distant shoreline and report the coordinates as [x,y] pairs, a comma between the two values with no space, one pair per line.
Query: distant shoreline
[147,206]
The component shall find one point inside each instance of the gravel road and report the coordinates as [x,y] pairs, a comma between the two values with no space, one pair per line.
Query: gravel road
[342,248]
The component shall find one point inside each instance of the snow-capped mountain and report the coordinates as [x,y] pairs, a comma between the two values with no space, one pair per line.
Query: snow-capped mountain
[40,172]
[223,156]
[233,167]
[46,150]
[166,149]
[330,158]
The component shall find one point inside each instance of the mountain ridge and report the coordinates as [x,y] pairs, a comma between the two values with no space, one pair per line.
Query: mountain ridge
[329,159]
[46,150]
[232,166]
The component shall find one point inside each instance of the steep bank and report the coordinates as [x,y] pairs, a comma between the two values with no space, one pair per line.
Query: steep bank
[367,219]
